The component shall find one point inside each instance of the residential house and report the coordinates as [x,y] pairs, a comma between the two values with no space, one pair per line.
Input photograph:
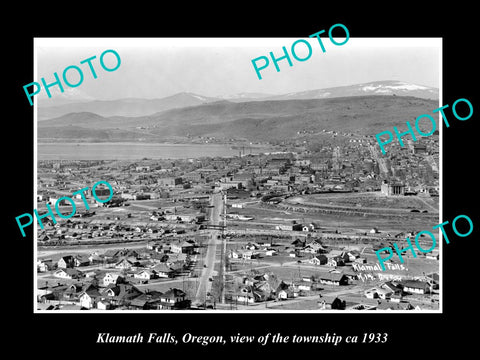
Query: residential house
[415,287]
[394,287]
[314,247]
[233,254]
[66,262]
[360,260]
[304,286]
[262,289]
[252,246]
[174,299]
[378,293]
[124,264]
[175,248]
[88,297]
[332,278]
[72,292]
[81,260]
[111,278]
[187,247]
[270,252]
[163,270]
[245,295]
[319,259]
[334,262]
[103,304]
[254,291]
[299,243]
[44,265]
[68,273]
[353,255]
[55,292]
[339,255]
[145,274]
[150,300]
[331,303]
[248,255]
[286,291]
[120,294]
[289,227]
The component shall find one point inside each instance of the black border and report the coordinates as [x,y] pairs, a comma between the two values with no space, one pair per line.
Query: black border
[75,334]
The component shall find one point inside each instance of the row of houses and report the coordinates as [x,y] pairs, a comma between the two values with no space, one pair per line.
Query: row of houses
[346,303]
[264,287]
[128,269]
[114,296]
[144,265]
[319,254]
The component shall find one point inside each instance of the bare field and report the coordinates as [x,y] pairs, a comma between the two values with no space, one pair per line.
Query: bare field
[369,200]
[356,223]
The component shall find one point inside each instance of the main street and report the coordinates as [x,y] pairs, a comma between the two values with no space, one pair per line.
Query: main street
[380,160]
[204,284]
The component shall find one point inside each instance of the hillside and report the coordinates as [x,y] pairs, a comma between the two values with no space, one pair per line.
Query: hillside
[254,121]
[385,87]
[132,107]
[125,107]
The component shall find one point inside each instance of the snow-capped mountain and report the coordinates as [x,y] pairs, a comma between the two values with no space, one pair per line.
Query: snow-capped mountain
[246,96]
[76,101]
[386,87]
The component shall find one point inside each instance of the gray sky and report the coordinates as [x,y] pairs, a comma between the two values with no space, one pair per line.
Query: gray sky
[159,67]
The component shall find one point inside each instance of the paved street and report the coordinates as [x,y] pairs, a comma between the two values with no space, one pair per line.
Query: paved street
[209,261]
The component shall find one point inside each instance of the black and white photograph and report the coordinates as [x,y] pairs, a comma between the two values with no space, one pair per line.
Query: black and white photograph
[202,181]
[227,192]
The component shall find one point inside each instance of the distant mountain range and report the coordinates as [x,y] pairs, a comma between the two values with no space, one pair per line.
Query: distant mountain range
[132,107]
[388,87]
[259,120]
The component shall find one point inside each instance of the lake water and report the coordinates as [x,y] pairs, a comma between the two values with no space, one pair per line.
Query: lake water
[135,151]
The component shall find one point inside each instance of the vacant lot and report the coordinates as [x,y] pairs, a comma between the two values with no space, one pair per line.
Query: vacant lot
[269,216]
[369,200]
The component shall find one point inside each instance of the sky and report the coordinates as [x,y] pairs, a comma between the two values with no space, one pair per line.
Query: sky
[159,67]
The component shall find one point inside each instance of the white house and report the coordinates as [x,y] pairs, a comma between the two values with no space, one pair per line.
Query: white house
[282,295]
[245,298]
[247,255]
[111,278]
[103,305]
[41,266]
[377,292]
[176,248]
[233,255]
[144,274]
[67,273]
[332,262]
[305,286]
[86,301]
